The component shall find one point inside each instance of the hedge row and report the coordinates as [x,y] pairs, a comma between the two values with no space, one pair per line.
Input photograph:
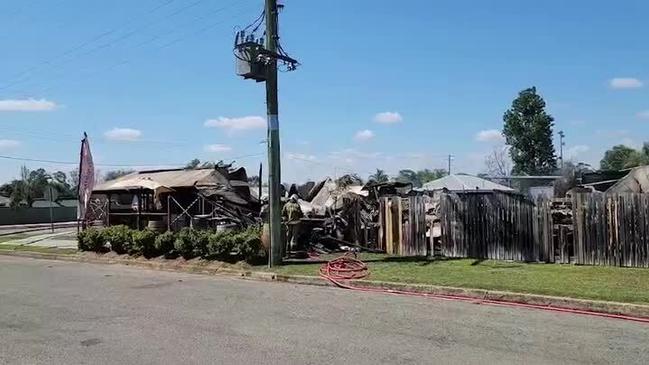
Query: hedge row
[188,243]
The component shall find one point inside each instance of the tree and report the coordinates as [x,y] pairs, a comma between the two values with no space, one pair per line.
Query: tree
[409,176]
[420,177]
[621,157]
[114,174]
[528,132]
[379,177]
[426,175]
[73,180]
[193,164]
[349,179]
[498,163]
[197,164]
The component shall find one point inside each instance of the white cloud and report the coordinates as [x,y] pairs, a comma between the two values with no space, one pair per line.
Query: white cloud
[575,151]
[364,135]
[217,148]
[26,105]
[300,156]
[643,114]
[388,117]
[489,135]
[8,144]
[123,134]
[625,83]
[232,125]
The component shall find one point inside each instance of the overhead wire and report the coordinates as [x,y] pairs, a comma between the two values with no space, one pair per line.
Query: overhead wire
[58,162]
[148,41]
[19,78]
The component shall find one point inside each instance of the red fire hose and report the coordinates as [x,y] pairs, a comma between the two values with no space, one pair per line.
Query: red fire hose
[348,267]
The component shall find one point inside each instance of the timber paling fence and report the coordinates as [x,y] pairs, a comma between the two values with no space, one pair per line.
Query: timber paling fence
[611,229]
[606,229]
[402,226]
[498,226]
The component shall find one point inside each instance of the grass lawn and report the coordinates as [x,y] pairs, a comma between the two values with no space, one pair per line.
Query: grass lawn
[8,247]
[589,282]
[12,237]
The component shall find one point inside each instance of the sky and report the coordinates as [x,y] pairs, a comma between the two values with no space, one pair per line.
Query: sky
[382,84]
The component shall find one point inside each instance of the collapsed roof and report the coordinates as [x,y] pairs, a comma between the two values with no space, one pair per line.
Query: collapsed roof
[220,182]
[636,181]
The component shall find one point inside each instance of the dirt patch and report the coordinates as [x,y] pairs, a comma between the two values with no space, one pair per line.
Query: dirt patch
[196,264]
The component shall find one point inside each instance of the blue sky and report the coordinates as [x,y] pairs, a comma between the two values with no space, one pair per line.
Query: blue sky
[382,84]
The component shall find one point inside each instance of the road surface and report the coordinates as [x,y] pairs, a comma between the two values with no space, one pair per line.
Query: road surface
[68,313]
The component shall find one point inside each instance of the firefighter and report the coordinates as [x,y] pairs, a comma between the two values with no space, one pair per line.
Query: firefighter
[291,214]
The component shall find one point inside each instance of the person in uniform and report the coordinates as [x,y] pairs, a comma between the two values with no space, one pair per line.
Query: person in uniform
[291,214]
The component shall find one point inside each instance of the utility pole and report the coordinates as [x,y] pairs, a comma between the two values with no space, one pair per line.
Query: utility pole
[450,157]
[561,144]
[257,59]
[274,168]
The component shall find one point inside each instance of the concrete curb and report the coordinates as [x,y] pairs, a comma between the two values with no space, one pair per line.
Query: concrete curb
[625,309]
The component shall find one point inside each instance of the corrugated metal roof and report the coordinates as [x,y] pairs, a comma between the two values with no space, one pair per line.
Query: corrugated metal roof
[463,182]
[179,178]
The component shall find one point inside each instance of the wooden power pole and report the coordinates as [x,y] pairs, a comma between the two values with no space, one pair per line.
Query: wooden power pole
[274,168]
[257,59]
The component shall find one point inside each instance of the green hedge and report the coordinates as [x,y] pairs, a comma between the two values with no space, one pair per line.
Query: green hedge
[188,243]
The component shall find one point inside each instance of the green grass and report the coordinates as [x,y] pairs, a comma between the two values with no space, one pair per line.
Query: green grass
[12,237]
[53,250]
[588,282]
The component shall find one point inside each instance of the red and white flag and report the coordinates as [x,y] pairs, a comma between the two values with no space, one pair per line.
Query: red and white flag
[86,178]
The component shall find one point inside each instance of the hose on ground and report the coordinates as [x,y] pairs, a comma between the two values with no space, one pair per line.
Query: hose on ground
[346,267]
[349,267]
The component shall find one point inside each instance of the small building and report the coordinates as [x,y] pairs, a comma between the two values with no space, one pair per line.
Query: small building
[176,198]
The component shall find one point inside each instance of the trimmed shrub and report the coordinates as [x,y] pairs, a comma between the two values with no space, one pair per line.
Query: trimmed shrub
[164,243]
[119,238]
[91,239]
[201,239]
[249,245]
[184,243]
[143,243]
[220,245]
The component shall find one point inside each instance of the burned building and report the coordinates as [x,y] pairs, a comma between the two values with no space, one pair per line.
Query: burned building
[175,198]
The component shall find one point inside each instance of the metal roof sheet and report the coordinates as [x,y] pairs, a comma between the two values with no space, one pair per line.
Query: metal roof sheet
[463,182]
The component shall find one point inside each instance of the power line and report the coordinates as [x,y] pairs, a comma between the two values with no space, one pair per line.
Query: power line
[102,70]
[19,78]
[56,162]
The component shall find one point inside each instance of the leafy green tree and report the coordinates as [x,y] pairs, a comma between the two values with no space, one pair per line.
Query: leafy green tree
[349,179]
[379,176]
[195,163]
[420,177]
[409,176]
[528,132]
[426,175]
[620,157]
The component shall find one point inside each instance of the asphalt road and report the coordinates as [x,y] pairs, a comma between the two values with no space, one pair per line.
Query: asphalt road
[68,313]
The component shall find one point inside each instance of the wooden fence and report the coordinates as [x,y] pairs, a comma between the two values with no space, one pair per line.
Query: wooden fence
[495,225]
[606,229]
[611,229]
[403,227]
